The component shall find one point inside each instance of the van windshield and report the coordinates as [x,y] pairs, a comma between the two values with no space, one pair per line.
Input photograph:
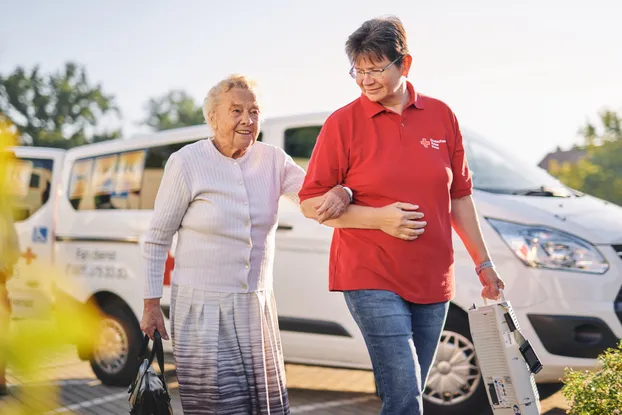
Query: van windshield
[498,172]
[28,182]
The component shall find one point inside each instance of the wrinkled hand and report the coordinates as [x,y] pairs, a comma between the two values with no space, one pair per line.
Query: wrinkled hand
[401,221]
[492,283]
[153,319]
[332,204]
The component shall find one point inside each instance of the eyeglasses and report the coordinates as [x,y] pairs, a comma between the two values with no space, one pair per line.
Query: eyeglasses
[374,73]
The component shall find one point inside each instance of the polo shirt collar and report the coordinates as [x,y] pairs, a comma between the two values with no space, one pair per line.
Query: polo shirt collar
[372,108]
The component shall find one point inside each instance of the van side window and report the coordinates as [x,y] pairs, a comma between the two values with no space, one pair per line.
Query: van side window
[128,180]
[31,180]
[111,181]
[154,169]
[299,143]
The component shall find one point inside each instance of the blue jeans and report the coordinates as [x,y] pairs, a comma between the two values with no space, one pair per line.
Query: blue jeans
[402,338]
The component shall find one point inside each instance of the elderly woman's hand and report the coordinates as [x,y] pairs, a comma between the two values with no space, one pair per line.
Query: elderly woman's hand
[153,319]
[332,204]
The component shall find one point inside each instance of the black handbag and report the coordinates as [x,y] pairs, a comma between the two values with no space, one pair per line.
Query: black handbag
[149,393]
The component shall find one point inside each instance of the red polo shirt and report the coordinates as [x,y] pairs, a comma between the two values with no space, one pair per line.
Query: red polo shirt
[384,157]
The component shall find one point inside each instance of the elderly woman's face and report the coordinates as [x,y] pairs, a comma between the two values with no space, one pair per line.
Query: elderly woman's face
[236,119]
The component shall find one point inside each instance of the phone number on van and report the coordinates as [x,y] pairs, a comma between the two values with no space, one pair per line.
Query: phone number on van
[96,271]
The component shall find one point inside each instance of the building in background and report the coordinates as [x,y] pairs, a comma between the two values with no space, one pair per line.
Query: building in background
[571,156]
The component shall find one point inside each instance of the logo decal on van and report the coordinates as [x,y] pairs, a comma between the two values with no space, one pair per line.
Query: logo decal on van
[28,256]
[39,235]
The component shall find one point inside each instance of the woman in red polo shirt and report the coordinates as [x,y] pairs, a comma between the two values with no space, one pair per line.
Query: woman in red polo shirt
[394,144]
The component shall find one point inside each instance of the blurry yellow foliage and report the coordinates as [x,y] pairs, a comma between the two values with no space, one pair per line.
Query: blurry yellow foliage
[31,343]
[8,138]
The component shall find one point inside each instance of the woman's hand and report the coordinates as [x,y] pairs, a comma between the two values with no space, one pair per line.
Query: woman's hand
[492,283]
[401,221]
[332,204]
[153,319]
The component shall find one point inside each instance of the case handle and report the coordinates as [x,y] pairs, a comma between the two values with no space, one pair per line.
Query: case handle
[502,297]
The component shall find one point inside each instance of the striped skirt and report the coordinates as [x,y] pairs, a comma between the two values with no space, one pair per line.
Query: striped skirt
[228,354]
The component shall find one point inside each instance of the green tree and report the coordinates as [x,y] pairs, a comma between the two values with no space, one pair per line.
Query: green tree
[173,110]
[600,173]
[60,109]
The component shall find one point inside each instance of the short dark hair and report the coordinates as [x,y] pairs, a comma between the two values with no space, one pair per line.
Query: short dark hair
[379,38]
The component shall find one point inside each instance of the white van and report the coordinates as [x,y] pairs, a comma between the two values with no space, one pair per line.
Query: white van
[34,175]
[558,250]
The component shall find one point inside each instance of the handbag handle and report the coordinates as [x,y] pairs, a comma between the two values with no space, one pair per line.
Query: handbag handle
[156,352]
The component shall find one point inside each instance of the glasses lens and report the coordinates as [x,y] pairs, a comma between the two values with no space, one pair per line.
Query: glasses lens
[375,74]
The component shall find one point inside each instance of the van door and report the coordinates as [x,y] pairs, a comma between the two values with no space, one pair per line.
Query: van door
[35,173]
[106,204]
[312,319]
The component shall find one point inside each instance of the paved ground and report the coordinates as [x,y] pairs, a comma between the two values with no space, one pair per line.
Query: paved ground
[312,391]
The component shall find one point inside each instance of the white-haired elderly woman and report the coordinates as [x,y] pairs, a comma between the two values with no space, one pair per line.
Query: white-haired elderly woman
[220,196]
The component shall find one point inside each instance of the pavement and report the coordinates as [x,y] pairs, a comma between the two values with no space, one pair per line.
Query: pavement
[62,384]
[65,385]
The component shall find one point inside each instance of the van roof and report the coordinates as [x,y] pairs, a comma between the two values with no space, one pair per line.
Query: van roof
[183,134]
[40,151]
[179,135]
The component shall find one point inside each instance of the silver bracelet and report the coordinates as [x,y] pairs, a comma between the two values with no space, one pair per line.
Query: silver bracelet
[483,266]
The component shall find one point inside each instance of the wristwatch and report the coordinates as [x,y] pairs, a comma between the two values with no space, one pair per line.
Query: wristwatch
[348,191]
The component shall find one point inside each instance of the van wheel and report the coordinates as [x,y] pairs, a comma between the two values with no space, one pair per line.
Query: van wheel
[455,385]
[114,358]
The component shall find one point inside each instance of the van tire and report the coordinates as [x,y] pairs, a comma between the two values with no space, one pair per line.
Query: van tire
[457,324]
[120,325]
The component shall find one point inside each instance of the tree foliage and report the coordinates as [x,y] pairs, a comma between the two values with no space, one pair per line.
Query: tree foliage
[173,110]
[60,109]
[600,172]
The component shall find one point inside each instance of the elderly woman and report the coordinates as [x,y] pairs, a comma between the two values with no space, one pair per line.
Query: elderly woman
[395,144]
[220,196]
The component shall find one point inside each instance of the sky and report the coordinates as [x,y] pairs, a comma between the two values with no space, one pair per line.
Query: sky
[526,75]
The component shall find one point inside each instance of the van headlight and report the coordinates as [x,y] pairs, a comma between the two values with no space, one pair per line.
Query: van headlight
[541,247]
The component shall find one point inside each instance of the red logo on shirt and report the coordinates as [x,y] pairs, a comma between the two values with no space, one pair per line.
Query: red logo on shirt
[430,142]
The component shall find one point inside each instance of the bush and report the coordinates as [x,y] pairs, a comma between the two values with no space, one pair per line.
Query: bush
[599,392]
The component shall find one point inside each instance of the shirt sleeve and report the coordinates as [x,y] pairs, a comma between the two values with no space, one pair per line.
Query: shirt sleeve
[292,178]
[329,161]
[171,203]
[462,184]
